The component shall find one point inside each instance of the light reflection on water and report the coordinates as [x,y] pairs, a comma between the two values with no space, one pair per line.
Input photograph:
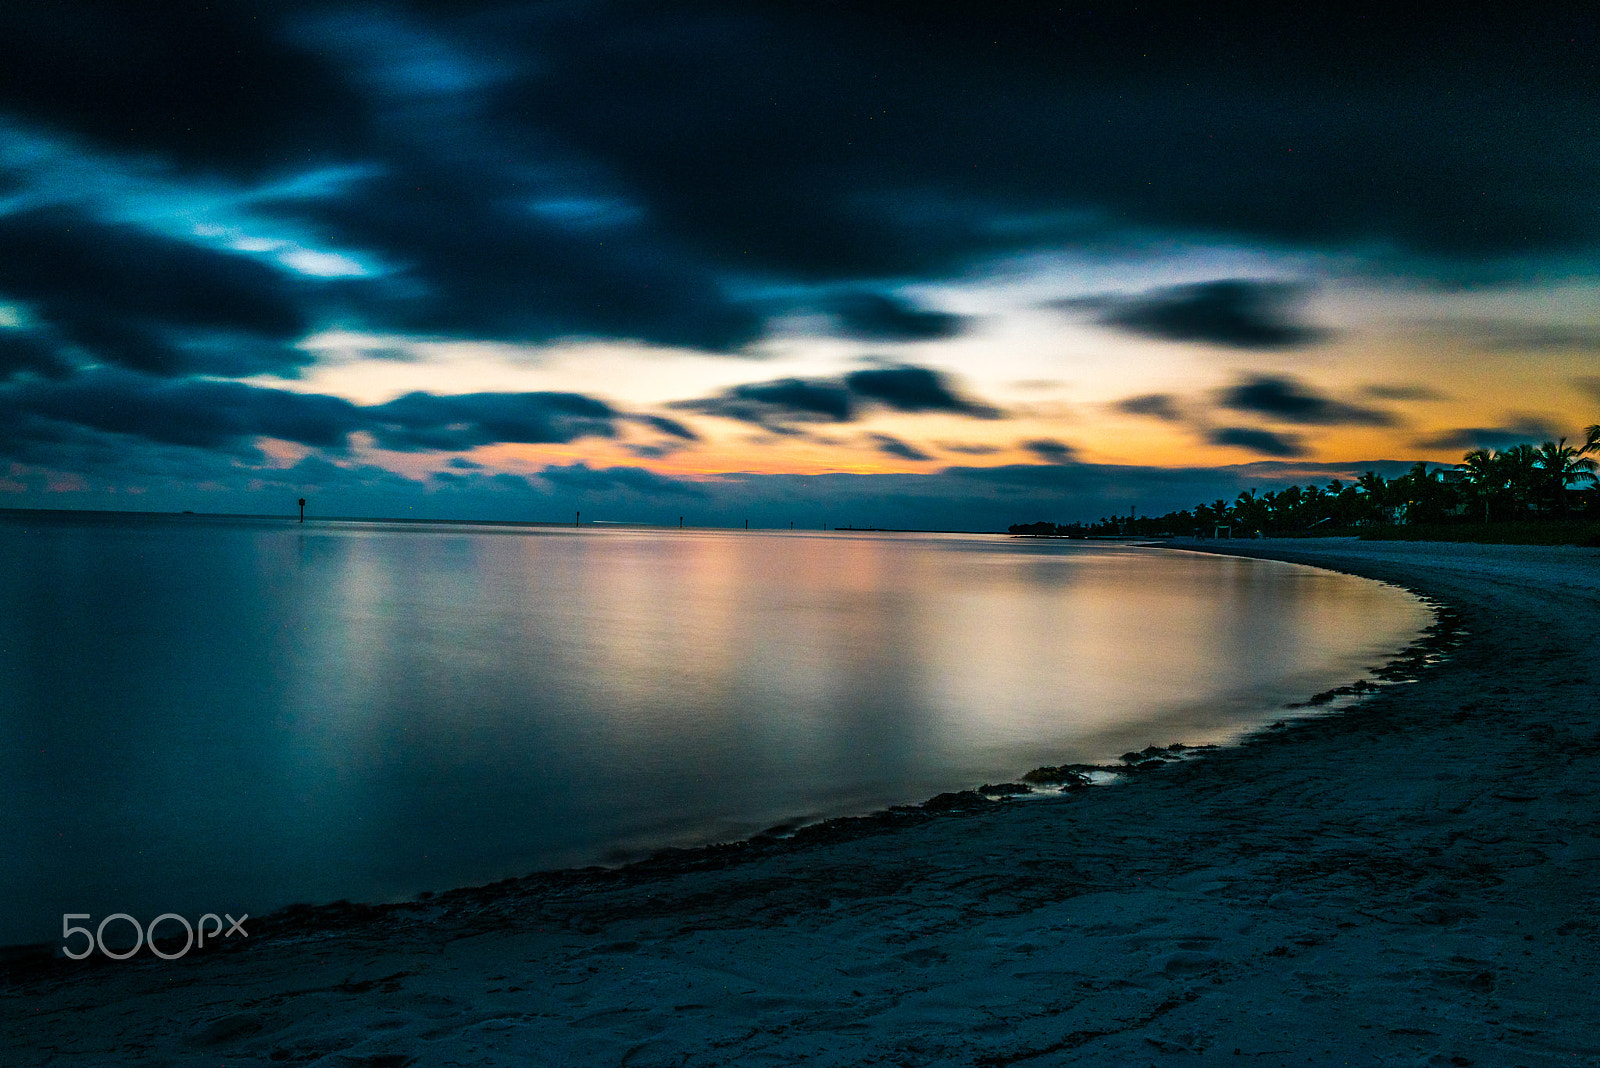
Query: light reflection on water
[199,715]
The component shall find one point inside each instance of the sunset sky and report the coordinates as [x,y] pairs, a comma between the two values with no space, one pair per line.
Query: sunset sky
[821,262]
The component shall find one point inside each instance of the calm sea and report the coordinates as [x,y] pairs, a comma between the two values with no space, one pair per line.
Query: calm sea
[208,715]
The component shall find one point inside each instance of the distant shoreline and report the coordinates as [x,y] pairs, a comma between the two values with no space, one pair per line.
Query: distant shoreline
[293,518]
[1411,880]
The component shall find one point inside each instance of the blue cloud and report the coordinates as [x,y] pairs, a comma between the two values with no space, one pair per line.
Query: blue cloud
[890,445]
[581,478]
[426,421]
[778,404]
[1266,442]
[1289,401]
[1235,313]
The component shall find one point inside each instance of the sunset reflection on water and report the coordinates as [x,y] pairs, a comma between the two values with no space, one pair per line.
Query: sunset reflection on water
[252,713]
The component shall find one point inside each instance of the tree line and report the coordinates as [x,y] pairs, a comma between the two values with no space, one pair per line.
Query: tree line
[1553,480]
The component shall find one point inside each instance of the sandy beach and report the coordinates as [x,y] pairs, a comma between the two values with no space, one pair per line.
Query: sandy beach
[1412,881]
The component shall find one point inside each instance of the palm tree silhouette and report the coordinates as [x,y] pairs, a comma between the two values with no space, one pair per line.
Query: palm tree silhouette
[1520,466]
[1417,494]
[1562,465]
[1375,490]
[1250,511]
[1485,474]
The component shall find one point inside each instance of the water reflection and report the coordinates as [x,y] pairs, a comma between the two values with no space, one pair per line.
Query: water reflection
[198,715]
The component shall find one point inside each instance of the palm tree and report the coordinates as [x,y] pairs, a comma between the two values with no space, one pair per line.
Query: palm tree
[1271,510]
[1520,467]
[1563,465]
[1250,511]
[1591,438]
[1484,474]
[1417,494]
[1375,490]
[1224,517]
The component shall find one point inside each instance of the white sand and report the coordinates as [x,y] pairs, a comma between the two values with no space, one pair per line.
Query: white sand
[1415,882]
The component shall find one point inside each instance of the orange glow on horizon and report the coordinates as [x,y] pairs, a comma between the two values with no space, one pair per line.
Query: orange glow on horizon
[1401,375]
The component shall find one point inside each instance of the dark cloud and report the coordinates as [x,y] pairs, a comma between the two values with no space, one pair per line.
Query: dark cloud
[1519,336]
[1404,392]
[779,404]
[212,86]
[229,415]
[1287,400]
[678,437]
[502,482]
[885,143]
[1266,442]
[475,258]
[198,413]
[424,421]
[318,472]
[893,446]
[668,426]
[614,169]
[653,452]
[875,317]
[1159,405]
[1237,313]
[913,389]
[1050,450]
[481,225]
[1532,431]
[24,350]
[581,478]
[129,297]
[964,448]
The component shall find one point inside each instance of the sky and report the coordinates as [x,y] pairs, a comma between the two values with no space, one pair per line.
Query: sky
[822,263]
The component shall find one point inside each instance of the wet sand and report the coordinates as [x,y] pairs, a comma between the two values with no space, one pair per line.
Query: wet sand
[1412,881]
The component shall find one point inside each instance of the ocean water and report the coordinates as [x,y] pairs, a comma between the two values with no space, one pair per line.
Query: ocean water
[205,715]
